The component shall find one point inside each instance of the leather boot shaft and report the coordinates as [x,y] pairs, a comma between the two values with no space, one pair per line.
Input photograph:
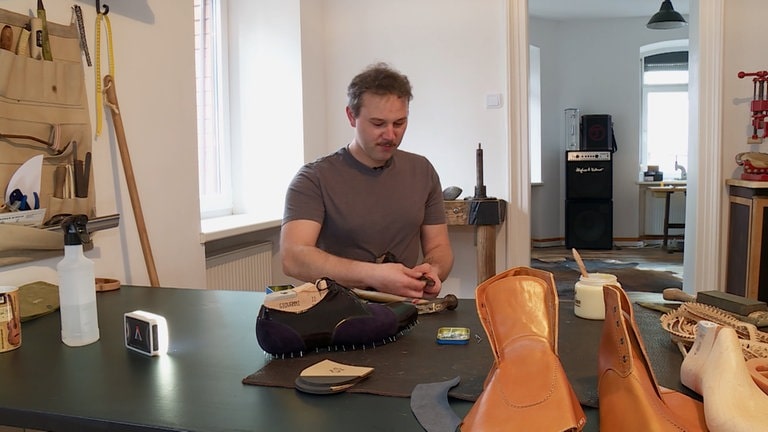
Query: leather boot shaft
[527,388]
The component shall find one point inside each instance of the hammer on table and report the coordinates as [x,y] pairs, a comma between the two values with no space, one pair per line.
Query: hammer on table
[747,310]
[424,306]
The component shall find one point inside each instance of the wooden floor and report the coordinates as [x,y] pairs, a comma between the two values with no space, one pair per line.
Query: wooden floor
[652,257]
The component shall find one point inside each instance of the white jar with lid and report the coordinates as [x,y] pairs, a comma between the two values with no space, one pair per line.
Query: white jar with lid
[588,299]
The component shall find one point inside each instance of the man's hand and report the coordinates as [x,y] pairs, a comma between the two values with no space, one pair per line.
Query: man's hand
[430,275]
[395,278]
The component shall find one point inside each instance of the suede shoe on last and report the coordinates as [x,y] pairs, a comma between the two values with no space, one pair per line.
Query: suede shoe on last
[327,316]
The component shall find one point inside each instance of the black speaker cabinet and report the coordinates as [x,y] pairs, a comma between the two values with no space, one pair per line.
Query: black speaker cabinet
[589,175]
[597,133]
[589,224]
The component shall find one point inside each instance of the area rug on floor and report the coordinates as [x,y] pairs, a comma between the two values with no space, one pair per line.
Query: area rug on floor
[631,278]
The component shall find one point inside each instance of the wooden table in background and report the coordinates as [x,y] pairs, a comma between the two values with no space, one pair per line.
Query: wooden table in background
[485,214]
[668,191]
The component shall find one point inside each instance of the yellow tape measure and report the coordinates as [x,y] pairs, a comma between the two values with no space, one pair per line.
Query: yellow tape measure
[99,92]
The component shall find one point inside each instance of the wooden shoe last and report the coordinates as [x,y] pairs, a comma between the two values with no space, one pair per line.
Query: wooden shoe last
[630,398]
[527,388]
[715,368]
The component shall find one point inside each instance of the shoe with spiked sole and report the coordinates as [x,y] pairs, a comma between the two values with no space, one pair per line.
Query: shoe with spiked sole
[340,320]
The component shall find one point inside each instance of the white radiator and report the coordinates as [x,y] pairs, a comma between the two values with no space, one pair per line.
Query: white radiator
[246,269]
[654,212]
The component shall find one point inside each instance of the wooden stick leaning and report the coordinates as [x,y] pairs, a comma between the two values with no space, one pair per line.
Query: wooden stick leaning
[582,267]
[138,214]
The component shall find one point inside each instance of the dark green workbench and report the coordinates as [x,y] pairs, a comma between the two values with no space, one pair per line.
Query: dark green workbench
[48,386]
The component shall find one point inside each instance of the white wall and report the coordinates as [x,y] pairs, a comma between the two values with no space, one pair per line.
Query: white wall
[596,69]
[155,85]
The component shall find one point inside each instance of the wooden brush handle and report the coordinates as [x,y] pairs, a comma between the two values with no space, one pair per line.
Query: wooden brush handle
[676,294]
[582,267]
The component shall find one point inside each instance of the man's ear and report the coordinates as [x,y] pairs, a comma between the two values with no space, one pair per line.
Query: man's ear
[351,117]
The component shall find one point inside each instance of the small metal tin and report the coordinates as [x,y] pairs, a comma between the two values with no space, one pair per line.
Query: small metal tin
[453,335]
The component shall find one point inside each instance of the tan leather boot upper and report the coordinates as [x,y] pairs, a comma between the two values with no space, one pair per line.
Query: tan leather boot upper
[527,388]
[630,399]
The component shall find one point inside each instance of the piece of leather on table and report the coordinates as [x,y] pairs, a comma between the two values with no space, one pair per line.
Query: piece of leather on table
[400,365]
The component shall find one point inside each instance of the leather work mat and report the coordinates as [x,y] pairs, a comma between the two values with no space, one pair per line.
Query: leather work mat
[415,358]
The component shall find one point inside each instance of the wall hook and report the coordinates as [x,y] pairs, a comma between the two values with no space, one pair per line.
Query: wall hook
[98,8]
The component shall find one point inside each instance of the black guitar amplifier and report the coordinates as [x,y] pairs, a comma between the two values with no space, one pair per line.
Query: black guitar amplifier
[589,224]
[589,175]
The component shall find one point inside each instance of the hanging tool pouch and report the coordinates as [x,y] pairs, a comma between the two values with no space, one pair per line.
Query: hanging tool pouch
[43,111]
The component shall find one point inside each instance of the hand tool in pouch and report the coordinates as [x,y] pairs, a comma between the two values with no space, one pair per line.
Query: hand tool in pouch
[81,32]
[36,38]
[22,45]
[6,38]
[42,40]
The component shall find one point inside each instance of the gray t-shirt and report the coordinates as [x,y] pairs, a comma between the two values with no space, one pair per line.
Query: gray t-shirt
[365,212]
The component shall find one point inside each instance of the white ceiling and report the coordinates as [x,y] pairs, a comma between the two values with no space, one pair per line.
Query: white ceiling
[585,9]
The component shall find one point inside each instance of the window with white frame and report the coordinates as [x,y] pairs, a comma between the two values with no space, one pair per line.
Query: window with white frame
[250,108]
[664,141]
[213,145]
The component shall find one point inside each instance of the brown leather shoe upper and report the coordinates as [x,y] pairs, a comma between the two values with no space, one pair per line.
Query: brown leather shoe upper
[527,388]
[630,399]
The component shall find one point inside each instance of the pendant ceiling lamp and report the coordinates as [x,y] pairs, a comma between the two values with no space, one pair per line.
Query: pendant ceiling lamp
[666,18]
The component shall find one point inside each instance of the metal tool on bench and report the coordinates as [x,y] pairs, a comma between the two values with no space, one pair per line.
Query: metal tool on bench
[424,306]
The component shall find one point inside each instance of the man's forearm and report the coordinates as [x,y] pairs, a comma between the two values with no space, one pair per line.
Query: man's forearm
[442,259]
[310,263]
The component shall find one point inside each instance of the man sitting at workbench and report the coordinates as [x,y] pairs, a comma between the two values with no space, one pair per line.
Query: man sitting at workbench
[345,211]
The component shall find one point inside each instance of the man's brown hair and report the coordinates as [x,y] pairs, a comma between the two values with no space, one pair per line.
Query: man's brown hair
[379,79]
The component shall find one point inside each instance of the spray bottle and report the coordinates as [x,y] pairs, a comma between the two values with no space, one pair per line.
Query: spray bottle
[77,286]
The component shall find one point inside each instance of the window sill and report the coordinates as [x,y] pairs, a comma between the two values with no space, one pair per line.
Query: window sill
[229,226]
